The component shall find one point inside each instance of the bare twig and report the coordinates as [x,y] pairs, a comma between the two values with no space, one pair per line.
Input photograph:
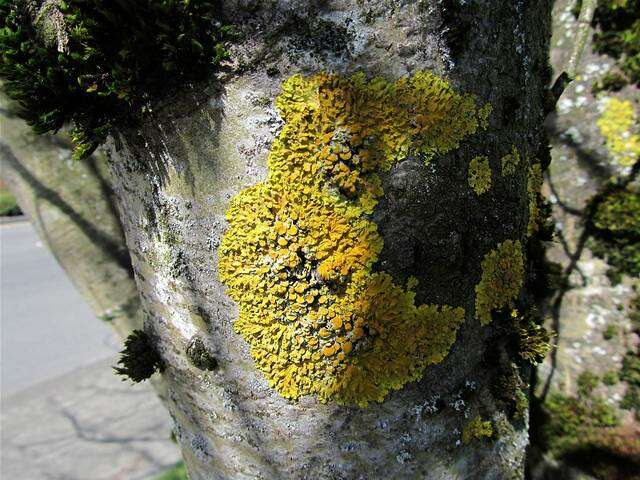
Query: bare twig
[587,10]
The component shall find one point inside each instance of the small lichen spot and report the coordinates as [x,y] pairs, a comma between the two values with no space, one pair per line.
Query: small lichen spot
[501,281]
[480,175]
[477,429]
[534,184]
[510,162]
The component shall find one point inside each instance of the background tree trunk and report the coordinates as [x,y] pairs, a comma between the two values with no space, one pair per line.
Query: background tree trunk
[174,177]
[585,423]
[72,207]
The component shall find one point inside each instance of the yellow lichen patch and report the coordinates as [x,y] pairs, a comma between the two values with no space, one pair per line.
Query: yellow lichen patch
[480,175]
[341,132]
[476,429]
[620,127]
[510,162]
[501,281]
[534,184]
[298,256]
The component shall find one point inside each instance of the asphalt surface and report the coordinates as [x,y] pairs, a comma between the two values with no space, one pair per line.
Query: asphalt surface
[46,328]
[64,414]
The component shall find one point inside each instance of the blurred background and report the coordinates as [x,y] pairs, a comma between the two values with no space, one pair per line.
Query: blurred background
[56,355]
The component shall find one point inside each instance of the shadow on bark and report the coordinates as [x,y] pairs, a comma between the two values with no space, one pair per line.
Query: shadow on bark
[598,459]
[111,248]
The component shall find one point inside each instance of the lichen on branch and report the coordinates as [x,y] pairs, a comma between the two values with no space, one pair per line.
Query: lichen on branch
[298,257]
[620,127]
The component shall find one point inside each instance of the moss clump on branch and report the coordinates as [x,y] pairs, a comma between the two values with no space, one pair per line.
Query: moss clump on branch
[200,355]
[533,339]
[97,63]
[139,359]
[619,35]
[630,373]
[615,228]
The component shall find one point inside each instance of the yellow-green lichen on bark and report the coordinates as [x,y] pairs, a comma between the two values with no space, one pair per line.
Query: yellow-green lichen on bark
[477,429]
[620,127]
[298,256]
[501,281]
[480,175]
[534,184]
[510,162]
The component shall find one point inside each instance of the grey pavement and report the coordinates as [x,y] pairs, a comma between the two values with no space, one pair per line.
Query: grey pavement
[64,414]
[85,425]
[47,329]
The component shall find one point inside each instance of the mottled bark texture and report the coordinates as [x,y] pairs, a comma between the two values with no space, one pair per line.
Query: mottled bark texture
[72,207]
[174,177]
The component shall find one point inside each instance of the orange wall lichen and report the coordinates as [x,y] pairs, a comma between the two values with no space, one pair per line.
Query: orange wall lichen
[298,256]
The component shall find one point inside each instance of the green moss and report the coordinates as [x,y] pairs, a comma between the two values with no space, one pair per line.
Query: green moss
[177,472]
[620,212]
[477,429]
[106,60]
[582,433]
[615,229]
[571,423]
[610,378]
[587,382]
[139,359]
[511,392]
[630,374]
[8,205]
[609,332]
[534,339]
[618,34]
[611,81]
[634,311]
[200,356]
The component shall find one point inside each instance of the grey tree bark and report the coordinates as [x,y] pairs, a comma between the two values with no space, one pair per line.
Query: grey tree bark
[175,175]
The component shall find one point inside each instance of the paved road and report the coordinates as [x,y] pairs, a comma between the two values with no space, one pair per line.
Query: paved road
[46,327]
[64,414]
[85,425]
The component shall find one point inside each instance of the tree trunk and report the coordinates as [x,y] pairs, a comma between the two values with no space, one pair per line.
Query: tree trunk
[427,410]
[72,207]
